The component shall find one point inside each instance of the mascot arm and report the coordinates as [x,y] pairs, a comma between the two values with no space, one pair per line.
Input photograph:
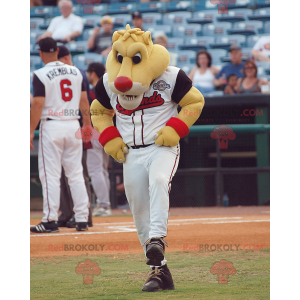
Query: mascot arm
[110,137]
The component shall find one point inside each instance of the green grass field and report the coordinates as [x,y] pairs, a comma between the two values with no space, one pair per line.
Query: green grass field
[122,277]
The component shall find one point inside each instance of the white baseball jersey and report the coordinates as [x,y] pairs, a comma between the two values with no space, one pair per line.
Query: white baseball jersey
[61,85]
[159,104]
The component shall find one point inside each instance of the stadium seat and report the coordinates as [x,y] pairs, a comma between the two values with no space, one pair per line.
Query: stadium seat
[41,12]
[261,3]
[157,29]
[185,57]
[265,65]
[224,42]
[240,4]
[82,61]
[99,10]
[217,55]
[121,8]
[267,27]
[77,47]
[34,35]
[31,87]
[176,18]
[198,43]
[173,6]
[86,34]
[174,43]
[90,21]
[149,7]
[187,30]
[215,94]
[216,29]
[252,39]
[35,62]
[46,24]
[186,67]
[207,16]
[121,20]
[235,15]
[247,28]
[152,18]
[77,10]
[35,23]
[262,14]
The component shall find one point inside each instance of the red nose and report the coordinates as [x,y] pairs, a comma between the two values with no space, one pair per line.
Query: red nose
[123,84]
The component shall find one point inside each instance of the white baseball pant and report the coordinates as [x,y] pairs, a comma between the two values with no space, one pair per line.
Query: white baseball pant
[148,173]
[58,147]
[97,164]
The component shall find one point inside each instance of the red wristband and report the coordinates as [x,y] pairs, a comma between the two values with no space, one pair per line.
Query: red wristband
[108,134]
[180,127]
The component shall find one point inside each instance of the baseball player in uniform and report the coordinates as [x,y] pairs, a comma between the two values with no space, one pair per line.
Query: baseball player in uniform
[144,93]
[58,94]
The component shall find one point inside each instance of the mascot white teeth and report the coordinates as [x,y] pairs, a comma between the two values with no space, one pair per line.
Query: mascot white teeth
[144,93]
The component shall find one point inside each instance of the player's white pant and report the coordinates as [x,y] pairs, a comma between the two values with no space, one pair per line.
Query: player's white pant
[97,164]
[147,179]
[58,147]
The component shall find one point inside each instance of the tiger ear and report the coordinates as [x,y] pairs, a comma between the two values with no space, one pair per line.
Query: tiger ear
[147,37]
[115,36]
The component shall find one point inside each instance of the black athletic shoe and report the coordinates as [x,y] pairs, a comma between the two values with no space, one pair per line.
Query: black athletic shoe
[90,224]
[45,227]
[71,223]
[155,250]
[61,224]
[159,279]
[81,226]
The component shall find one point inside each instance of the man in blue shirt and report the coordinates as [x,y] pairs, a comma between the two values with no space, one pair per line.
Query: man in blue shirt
[235,67]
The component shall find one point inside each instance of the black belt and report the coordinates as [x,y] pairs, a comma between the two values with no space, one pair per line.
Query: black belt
[139,146]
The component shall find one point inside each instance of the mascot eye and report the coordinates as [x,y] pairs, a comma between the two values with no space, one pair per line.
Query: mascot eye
[119,57]
[137,58]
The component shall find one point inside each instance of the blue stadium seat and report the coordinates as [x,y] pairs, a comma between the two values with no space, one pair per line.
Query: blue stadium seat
[77,47]
[216,29]
[149,7]
[35,23]
[224,42]
[121,20]
[174,43]
[152,18]
[77,10]
[82,61]
[209,16]
[186,67]
[262,14]
[240,4]
[41,12]
[31,87]
[121,8]
[262,3]
[99,10]
[173,6]
[214,94]
[252,39]
[90,21]
[185,57]
[247,28]
[176,18]
[198,43]
[35,62]
[86,34]
[217,55]
[34,35]
[46,24]
[156,29]
[235,15]
[267,27]
[265,65]
[187,30]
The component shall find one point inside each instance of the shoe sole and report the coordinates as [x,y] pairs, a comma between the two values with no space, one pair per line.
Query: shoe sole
[47,231]
[160,289]
[155,255]
[82,229]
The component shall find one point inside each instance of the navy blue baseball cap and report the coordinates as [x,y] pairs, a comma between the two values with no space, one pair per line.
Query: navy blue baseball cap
[47,44]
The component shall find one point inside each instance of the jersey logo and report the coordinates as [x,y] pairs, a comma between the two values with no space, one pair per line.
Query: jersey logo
[161,85]
[147,102]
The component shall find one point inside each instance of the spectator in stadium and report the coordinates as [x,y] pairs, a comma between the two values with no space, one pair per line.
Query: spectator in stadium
[204,73]
[234,67]
[94,72]
[50,2]
[137,20]
[101,42]
[66,27]
[231,84]
[162,39]
[34,3]
[250,83]
[261,50]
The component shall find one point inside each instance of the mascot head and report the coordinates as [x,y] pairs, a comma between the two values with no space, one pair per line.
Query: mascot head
[133,64]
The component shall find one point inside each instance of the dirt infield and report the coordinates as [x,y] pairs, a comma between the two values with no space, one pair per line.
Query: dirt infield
[189,229]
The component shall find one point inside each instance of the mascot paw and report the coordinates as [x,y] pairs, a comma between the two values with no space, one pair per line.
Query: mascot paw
[116,148]
[167,136]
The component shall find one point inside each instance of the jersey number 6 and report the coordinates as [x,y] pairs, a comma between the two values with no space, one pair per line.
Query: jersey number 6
[66,93]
